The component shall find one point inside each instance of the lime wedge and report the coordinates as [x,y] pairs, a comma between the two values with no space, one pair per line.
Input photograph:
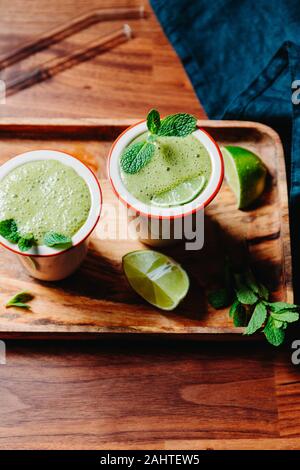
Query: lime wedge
[181,194]
[156,277]
[245,174]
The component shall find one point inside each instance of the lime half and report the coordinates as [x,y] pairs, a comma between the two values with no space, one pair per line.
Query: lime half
[156,277]
[245,174]
[181,194]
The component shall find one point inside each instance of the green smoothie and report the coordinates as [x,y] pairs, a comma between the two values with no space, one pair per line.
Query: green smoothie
[175,160]
[45,196]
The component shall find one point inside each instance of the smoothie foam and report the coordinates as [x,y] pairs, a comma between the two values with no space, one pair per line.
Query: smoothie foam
[175,160]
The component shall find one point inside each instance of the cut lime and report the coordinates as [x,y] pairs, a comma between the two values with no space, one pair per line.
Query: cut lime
[156,277]
[245,174]
[181,194]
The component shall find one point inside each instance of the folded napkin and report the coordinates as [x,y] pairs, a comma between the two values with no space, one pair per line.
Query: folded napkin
[243,58]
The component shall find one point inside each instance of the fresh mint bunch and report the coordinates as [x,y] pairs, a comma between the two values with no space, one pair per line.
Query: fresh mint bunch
[137,155]
[257,319]
[9,231]
[251,308]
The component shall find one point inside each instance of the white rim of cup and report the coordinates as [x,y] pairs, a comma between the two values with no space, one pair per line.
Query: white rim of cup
[82,170]
[198,203]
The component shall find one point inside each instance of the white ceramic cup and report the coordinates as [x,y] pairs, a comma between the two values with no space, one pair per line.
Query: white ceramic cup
[45,263]
[162,233]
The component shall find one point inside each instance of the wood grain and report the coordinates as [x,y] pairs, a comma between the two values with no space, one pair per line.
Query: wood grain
[97,298]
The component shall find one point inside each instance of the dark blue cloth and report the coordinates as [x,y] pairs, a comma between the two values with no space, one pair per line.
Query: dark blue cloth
[242,57]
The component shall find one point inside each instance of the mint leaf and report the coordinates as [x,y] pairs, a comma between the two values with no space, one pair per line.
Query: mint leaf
[219,298]
[239,315]
[57,240]
[136,156]
[274,335]
[279,306]
[153,121]
[9,230]
[26,242]
[177,125]
[286,316]
[20,299]
[257,319]
[244,294]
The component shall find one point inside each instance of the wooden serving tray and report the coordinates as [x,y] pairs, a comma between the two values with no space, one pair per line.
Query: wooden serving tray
[97,299]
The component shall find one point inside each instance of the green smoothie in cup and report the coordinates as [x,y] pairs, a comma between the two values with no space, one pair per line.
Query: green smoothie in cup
[169,167]
[43,197]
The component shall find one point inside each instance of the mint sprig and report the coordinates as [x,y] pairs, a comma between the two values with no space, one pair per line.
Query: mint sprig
[139,154]
[57,240]
[251,307]
[20,300]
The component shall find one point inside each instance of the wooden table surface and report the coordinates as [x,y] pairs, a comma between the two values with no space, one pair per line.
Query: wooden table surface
[92,395]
